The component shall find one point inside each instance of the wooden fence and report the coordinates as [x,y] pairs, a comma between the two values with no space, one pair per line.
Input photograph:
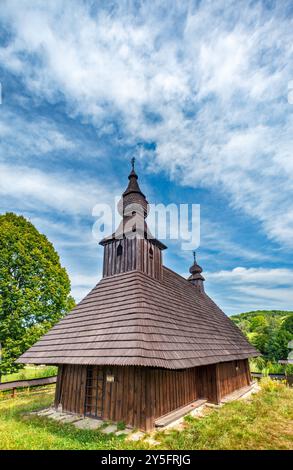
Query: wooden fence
[20,384]
[288,378]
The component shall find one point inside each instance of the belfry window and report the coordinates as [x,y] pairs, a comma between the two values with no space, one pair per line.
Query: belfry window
[119,250]
[151,253]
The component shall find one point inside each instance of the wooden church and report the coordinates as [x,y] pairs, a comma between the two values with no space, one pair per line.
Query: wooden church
[145,341]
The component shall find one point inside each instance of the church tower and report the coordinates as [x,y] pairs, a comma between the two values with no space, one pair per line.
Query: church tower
[132,247]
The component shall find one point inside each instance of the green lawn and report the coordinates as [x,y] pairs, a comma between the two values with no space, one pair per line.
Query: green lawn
[30,372]
[264,422]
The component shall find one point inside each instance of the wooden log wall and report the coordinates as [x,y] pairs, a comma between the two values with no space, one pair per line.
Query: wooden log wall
[206,383]
[149,258]
[70,388]
[233,375]
[136,253]
[139,395]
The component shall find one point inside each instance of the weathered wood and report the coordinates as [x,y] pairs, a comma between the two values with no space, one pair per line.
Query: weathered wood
[137,253]
[139,395]
[178,413]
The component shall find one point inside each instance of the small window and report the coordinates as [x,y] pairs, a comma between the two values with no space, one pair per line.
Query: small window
[151,253]
[119,250]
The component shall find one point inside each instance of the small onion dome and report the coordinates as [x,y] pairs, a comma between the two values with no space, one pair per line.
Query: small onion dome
[196,278]
[195,269]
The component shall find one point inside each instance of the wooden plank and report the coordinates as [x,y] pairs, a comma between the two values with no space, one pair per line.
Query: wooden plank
[113,395]
[120,388]
[178,413]
[136,401]
[130,413]
[58,387]
[107,400]
[237,393]
[151,393]
[143,423]
[217,383]
[68,388]
[28,383]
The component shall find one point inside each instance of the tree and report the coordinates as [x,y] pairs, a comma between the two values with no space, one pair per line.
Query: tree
[277,345]
[268,331]
[287,324]
[34,288]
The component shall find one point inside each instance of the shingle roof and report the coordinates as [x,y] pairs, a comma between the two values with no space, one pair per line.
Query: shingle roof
[132,319]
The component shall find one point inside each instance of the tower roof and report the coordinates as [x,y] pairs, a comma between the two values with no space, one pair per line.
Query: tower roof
[132,203]
[133,186]
[133,196]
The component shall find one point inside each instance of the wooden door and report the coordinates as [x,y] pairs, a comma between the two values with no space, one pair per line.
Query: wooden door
[94,392]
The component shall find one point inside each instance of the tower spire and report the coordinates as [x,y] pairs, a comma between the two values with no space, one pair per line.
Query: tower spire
[133,193]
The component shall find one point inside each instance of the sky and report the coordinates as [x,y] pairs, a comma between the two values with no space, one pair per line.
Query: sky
[196,91]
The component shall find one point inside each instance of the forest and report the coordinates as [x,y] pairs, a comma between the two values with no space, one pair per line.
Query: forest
[270,331]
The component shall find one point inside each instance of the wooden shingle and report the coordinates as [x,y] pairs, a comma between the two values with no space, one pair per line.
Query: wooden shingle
[133,319]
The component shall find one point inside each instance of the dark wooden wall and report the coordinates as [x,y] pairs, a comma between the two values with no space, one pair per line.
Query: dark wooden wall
[206,383]
[139,395]
[233,375]
[137,253]
[70,388]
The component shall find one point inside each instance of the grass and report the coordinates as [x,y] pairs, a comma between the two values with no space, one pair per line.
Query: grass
[30,372]
[264,422]
[19,431]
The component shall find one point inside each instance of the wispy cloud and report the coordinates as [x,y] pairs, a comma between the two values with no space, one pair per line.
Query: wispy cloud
[35,189]
[207,85]
[253,288]
[203,86]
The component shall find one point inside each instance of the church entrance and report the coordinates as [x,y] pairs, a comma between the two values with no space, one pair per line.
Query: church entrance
[94,392]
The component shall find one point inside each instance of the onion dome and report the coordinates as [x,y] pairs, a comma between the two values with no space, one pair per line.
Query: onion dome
[196,278]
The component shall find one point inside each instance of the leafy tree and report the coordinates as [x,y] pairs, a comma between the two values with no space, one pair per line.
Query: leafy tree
[34,288]
[277,345]
[269,331]
[287,324]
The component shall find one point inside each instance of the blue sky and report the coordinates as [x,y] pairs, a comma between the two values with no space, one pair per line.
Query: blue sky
[201,86]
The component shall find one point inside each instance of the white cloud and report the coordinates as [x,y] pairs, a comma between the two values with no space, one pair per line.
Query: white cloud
[229,71]
[264,276]
[41,191]
[31,138]
[252,288]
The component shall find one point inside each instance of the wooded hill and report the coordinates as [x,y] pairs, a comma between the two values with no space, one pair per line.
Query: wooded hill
[268,330]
